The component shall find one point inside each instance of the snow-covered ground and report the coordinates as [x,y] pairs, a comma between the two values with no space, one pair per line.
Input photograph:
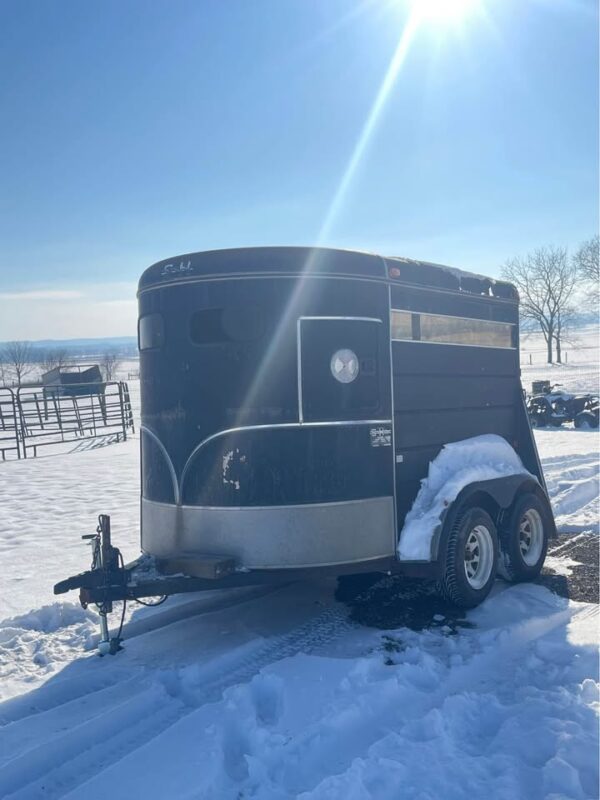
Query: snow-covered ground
[580,369]
[275,692]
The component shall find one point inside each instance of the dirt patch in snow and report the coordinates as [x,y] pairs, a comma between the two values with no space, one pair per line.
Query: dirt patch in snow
[398,602]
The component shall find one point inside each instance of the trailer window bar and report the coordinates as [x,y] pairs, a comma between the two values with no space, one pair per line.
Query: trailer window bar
[452,330]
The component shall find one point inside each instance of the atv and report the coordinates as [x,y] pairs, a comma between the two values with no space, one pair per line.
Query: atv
[555,406]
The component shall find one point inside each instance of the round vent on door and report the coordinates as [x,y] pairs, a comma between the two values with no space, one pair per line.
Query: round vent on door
[344,366]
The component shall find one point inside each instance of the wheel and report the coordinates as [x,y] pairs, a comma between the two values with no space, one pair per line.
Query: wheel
[586,420]
[471,558]
[559,407]
[524,539]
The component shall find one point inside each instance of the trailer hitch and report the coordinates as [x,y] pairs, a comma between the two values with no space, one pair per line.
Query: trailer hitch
[146,580]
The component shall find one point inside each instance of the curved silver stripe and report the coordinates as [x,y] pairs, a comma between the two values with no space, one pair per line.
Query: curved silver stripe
[383,280]
[164,451]
[274,426]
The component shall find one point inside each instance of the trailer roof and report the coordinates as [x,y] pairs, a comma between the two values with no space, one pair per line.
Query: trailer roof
[321,261]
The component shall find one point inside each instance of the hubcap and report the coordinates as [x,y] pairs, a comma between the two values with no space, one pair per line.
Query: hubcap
[531,537]
[479,556]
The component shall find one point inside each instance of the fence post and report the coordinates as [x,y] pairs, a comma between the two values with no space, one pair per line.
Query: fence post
[122,406]
[22,422]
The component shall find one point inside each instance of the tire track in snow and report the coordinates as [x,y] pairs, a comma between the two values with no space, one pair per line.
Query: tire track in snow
[21,735]
[28,637]
[574,487]
[53,768]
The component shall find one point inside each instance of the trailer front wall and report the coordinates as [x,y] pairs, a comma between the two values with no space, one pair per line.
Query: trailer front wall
[250,448]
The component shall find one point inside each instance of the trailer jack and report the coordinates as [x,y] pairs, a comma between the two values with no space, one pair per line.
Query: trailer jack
[108,562]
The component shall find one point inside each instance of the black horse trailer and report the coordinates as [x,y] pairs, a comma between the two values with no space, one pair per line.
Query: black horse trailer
[294,402]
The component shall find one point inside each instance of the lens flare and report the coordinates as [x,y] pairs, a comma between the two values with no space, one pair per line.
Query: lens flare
[442,11]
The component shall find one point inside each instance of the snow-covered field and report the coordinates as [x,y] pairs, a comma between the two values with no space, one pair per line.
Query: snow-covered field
[580,369]
[275,692]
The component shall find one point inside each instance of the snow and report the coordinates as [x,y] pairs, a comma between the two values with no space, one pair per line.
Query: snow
[507,709]
[457,465]
[272,692]
[580,371]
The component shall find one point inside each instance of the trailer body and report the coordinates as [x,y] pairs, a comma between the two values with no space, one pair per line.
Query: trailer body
[255,450]
[293,401]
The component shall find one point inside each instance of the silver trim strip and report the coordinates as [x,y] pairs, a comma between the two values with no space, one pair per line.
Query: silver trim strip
[291,506]
[396,534]
[352,319]
[299,368]
[242,276]
[331,276]
[278,425]
[164,451]
[455,344]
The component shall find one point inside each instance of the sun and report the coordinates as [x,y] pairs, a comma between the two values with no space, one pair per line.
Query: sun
[442,11]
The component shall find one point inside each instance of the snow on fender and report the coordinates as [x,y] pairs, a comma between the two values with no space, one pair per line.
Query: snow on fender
[457,465]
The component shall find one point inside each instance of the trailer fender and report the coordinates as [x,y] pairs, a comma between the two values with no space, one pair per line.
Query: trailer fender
[496,496]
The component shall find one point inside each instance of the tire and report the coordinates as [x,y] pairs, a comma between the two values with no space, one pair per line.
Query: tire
[524,539]
[586,420]
[559,407]
[471,558]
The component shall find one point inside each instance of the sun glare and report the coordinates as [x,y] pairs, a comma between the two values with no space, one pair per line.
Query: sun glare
[442,11]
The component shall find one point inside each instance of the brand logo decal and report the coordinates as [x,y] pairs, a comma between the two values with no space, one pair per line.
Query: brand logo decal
[177,269]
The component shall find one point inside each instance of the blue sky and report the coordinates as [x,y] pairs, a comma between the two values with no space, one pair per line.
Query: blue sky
[132,131]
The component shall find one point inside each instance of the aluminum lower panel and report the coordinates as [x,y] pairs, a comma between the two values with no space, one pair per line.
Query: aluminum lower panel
[273,537]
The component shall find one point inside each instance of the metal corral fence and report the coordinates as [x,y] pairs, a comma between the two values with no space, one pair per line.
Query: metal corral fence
[36,416]
[9,429]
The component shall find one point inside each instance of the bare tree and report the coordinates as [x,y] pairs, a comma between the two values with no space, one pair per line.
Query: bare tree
[18,357]
[110,363]
[52,358]
[546,281]
[587,264]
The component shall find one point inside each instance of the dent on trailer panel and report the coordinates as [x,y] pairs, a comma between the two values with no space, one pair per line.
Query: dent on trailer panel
[294,466]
